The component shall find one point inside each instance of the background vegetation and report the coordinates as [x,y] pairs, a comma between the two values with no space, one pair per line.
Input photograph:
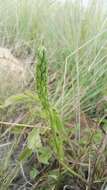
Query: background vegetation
[72,96]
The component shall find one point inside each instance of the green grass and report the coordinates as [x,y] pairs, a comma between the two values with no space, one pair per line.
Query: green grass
[76,44]
[72,85]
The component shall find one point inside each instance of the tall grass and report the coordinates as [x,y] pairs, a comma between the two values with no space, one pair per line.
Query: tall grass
[75,38]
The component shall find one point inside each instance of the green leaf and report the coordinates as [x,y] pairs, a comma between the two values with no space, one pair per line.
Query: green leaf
[26,97]
[33,173]
[17,129]
[97,137]
[34,140]
[44,155]
[25,154]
